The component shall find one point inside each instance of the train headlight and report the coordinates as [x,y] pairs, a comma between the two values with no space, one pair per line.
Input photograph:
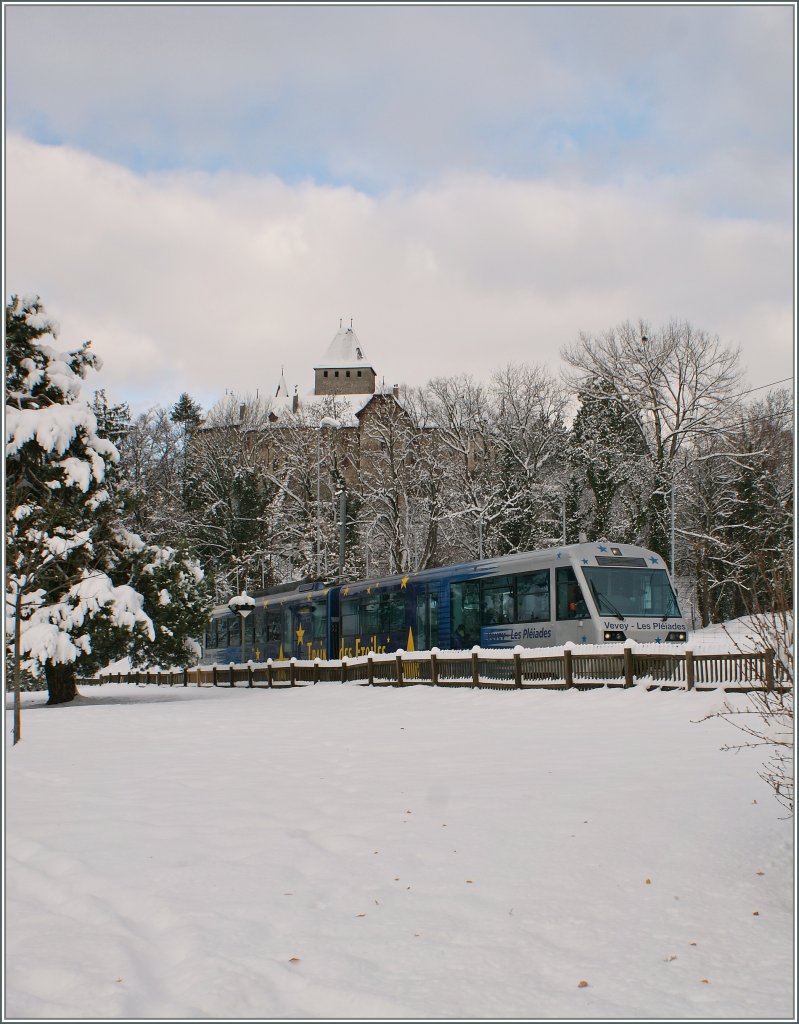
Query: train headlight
[678,636]
[614,634]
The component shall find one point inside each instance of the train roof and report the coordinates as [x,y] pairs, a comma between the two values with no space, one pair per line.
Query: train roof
[602,552]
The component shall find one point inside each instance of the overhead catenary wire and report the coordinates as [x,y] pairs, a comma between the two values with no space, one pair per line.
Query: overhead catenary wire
[762,387]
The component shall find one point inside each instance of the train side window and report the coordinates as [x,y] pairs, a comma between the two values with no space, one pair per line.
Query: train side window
[350,619]
[221,633]
[213,633]
[234,631]
[392,617]
[422,622]
[532,595]
[570,601]
[497,601]
[370,614]
[319,620]
[465,613]
[272,627]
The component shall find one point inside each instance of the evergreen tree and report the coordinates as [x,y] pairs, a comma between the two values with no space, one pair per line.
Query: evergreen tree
[186,412]
[81,589]
[606,453]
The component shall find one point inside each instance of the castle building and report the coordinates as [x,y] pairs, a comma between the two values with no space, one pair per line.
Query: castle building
[344,372]
[344,369]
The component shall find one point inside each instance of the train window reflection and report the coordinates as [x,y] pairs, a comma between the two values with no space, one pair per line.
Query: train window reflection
[642,592]
[497,603]
[570,601]
[532,596]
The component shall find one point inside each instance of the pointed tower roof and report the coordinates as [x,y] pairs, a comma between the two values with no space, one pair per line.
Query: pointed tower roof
[344,351]
[282,387]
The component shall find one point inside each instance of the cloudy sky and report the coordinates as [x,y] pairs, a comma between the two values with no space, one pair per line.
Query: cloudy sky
[205,191]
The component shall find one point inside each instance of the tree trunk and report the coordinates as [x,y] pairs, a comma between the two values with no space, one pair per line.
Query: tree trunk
[60,683]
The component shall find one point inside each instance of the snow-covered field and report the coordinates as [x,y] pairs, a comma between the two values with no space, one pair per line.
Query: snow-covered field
[347,852]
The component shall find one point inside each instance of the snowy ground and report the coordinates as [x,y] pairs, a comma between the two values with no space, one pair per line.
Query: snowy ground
[340,851]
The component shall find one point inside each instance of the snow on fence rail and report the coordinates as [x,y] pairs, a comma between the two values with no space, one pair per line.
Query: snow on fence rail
[518,669]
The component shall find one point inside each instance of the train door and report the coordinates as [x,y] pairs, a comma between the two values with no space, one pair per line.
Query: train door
[426,618]
[465,613]
[573,616]
[304,629]
[334,622]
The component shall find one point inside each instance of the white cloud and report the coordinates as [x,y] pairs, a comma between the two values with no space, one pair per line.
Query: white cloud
[391,95]
[205,282]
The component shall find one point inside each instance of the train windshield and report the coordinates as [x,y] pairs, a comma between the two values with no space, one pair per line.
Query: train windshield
[641,592]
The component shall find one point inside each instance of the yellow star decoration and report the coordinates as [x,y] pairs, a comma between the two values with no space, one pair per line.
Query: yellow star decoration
[368,590]
[345,591]
[300,635]
[404,583]
[257,653]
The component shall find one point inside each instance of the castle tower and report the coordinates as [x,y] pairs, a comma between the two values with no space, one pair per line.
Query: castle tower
[344,369]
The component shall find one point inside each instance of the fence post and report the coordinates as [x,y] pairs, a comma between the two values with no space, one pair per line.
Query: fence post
[433,666]
[269,672]
[517,668]
[628,666]
[567,666]
[399,668]
[214,676]
[689,670]
[232,680]
[293,671]
[249,673]
[475,667]
[344,669]
[315,671]
[769,656]
[185,677]
[370,668]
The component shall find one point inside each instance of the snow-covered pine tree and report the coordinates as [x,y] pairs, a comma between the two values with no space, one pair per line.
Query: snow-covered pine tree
[80,589]
[608,457]
[186,415]
[186,412]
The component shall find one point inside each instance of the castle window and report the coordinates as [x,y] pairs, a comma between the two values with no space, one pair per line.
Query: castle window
[336,372]
[325,373]
[359,373]
[348,373]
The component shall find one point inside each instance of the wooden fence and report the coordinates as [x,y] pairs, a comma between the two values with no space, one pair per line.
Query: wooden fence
[759,670]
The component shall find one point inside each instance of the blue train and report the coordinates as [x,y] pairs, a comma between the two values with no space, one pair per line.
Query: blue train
[586,593]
